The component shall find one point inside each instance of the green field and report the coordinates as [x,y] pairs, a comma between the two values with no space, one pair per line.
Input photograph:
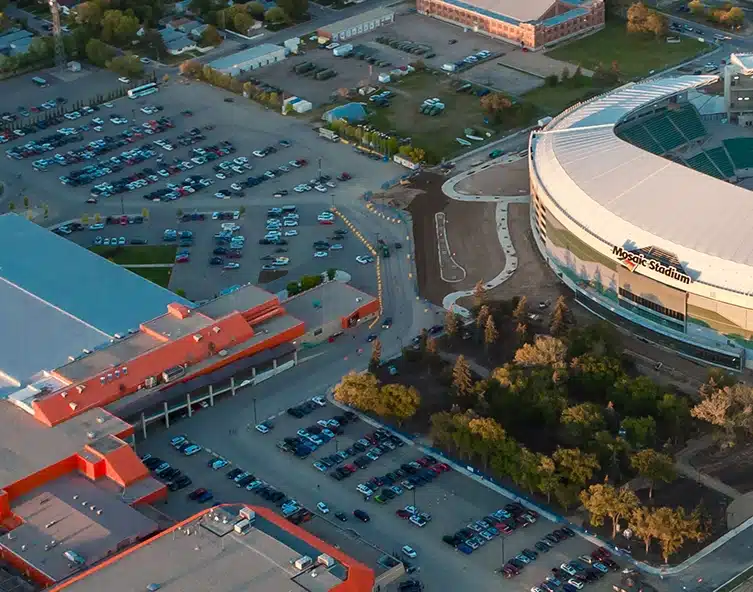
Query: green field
[554,99]
[137,255]
[636,54]
[157,275]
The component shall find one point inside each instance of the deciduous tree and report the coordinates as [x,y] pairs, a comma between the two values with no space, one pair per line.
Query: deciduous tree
[654,466]
[275,15]
[639,431]
[479,293]
[481,317]
[520,313]
[583,421]
[605,501]
[544,351]
[376,354]
[358,389]
[210,37]
[398,401]
[643,525]
[575,465]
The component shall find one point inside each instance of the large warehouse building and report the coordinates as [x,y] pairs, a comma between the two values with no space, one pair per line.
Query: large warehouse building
[533,25]
[644,240]
[86,343]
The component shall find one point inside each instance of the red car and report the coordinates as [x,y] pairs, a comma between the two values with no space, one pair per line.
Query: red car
[436,470]
[444,467]
[423,462]
[504,527]
[350,468]
[182,259]
[404,514]
[600,552]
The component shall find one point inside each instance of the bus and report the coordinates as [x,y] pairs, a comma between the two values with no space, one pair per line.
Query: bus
[40,82]
[142,91]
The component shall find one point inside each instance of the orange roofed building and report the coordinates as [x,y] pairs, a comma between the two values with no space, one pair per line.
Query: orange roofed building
[228,548]
[70,481]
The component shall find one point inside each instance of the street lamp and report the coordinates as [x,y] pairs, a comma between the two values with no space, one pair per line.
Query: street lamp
[253,400]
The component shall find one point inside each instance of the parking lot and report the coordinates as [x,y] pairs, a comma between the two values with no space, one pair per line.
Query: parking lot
[196,237]
[449,501]
[164,154]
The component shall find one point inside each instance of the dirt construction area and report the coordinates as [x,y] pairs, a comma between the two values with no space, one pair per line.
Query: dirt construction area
[469,229]
[510,180]
[731,466]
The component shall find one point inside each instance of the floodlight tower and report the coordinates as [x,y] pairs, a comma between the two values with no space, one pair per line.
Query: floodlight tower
[57,34]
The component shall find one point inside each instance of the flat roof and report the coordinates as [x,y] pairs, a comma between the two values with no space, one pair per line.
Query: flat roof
[78,516]
[359,19]
[27,446]
[621,195]
[244,298]
[327,302]
[60,298]
[203,554]
[238,59]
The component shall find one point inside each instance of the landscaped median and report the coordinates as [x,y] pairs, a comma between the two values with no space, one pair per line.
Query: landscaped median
[152,262]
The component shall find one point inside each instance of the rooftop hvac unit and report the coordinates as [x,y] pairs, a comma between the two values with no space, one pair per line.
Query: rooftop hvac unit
[197,338]
[247,513]
[150,382]
[325,560]
[303,562]
[222,353]
[72,405]
[216,329]
[173,373]
[80,388]
[242,527]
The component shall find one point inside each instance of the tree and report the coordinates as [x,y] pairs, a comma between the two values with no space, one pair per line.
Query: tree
[697,8]
[674,414]
[376,354]
[521,330]
[544,351]
[209,38]
[99,53]
[639,431]
[119,28]
[450,323]
[495,103]
[126,65]
[331,273]
[191,68]
[548,479]
[145,213]
[643,525]
[255,9]
[153,39]
[296,9]
[358,390]
[275,15]
[583,421]
[26,202]
[89,13]
[735,16]
[479,293]
[575,465]
[482,316]
[674,527]
[605,501]
[242,22]
[398,401]
[520,313]
[657,23]
[653,466]
[561,320]
[461,377]
[490,434]
[11,206]
[490,332]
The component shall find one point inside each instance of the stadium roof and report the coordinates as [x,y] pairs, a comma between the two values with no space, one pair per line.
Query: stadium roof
[621,194]
[59,298]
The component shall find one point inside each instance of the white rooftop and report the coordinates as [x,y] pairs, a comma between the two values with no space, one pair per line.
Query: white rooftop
[743,60]
[620,193]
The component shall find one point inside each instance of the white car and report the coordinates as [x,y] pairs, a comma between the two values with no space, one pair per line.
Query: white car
[280,261]
[295,164]
[320,188]
[364,489]
[321,254]
[322,507]
[219,463]
[577,583]
[291,233]
[230,226]
[290,223]
[364,259]
[124,80]
[418,521]
[259,153]
[108,105]
[236,187]
[145,61]
[409,552]
[262,428]
[321,401]
[568,569]
[299,189]
[336,247]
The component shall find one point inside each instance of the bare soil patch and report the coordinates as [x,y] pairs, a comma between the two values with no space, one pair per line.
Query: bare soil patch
[733,467]
[266,276]
[504,179]
[471,231]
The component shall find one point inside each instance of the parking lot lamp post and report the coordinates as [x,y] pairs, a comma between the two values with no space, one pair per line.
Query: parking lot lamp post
[253,400]
[414,497]
[122,207]
[319,172]
[503,549]
[337,447]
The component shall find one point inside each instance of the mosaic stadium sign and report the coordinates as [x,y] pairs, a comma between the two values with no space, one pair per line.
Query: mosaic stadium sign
[635,259]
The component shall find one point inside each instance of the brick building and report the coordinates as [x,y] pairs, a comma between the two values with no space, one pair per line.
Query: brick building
[533,24]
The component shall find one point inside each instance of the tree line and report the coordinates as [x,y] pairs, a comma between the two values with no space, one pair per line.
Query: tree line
[198,71]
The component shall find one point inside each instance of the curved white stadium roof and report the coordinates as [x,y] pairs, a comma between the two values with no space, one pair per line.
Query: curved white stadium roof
[621,193]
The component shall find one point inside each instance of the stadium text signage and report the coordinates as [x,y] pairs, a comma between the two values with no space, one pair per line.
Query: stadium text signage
[635,260]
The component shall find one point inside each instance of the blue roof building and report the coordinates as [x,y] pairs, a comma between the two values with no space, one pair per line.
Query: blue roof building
[351,112]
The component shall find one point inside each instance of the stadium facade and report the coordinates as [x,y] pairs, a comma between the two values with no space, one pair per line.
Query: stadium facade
[644,240]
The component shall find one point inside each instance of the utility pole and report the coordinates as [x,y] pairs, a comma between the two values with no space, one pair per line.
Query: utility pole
[319,174]
[57,35]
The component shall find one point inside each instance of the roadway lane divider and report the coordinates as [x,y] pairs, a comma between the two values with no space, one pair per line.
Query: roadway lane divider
[373,252]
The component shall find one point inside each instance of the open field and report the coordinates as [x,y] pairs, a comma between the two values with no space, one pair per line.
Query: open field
[636,55]
[157,275]
[436,135]
[554,99]
[141,255]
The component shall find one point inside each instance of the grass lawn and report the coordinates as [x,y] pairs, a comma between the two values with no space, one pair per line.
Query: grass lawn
[436,135]
[554,99]
[636,54]
[137,255]
[157,275]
